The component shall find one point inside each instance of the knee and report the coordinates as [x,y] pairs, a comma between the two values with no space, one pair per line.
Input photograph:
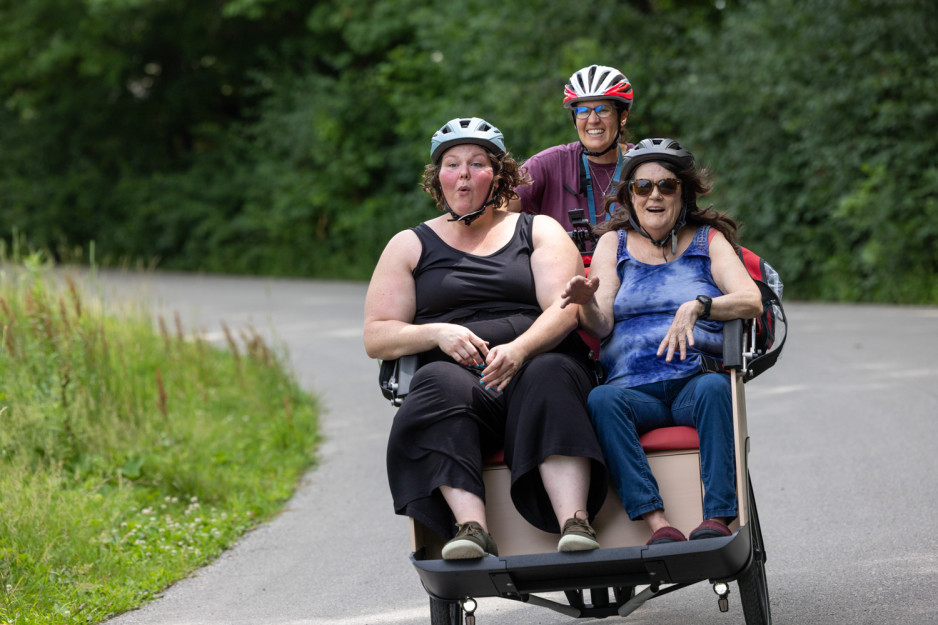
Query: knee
[553,366]
[442,381]
[437,387]
[598,400]
[433,373]
[713,397]
[599,397]
[606,406]
[714,386]
[712,389]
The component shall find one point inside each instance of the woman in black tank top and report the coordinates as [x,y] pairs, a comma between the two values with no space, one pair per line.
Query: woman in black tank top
[476,292]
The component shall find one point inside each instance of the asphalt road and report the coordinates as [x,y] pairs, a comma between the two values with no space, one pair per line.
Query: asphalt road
[844,461]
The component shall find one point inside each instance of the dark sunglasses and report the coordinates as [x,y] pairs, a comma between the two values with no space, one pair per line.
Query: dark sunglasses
[666,186]
[602,111]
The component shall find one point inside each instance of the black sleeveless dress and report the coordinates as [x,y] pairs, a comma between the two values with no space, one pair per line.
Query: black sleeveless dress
[449,422]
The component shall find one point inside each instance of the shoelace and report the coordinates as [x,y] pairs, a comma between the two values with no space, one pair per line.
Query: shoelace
[468,529]
[578,525]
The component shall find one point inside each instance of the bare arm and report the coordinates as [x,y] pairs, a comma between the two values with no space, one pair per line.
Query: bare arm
[390,306]
[740,300]
[554,260]
[596,294]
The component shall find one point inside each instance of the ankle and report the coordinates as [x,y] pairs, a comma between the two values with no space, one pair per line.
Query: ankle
[656,520]
[481,524]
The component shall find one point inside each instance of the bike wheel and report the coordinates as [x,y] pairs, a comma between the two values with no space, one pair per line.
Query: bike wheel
[753,585]
[445,612]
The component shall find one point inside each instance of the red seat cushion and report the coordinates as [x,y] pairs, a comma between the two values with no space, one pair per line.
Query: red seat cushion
[591,341]
[670,439]
[497,458]
[663,439]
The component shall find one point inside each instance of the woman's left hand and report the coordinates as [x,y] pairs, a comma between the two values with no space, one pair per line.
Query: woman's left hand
[501,364]
[681,332]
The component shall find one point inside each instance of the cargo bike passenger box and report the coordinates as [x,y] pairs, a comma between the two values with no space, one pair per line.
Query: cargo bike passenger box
[622,575]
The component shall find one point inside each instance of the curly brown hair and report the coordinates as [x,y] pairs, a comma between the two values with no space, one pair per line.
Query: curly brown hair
[508,175]
[694,183]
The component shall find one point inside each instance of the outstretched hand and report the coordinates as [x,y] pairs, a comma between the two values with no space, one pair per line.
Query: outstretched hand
[579,290]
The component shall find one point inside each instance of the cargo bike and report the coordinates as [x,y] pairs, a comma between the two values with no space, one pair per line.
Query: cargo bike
[624,573]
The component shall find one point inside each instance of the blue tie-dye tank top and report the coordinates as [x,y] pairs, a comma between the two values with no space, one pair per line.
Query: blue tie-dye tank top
[644,308]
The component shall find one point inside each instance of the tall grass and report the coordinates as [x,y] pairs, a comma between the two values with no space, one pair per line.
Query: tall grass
[130,453]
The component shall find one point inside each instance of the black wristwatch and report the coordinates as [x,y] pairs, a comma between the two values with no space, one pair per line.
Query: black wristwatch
[706,301]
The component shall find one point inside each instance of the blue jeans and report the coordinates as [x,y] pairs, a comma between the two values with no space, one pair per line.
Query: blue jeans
[621,415]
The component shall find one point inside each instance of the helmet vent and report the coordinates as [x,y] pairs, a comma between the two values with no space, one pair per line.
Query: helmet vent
[598,82]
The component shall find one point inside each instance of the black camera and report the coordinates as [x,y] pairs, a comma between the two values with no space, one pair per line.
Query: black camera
[582,231]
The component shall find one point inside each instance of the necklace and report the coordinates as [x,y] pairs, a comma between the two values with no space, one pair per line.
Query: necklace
[587,173]
[609,174]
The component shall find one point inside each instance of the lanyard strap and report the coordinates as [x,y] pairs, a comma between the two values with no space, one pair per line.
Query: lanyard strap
[590,202]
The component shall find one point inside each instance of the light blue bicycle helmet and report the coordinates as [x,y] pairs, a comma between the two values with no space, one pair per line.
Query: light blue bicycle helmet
[462,130]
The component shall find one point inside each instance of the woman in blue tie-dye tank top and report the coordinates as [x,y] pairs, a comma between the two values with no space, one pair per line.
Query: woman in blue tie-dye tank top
[659,290]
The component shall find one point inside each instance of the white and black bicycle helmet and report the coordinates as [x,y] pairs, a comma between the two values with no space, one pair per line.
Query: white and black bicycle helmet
[462,130]
[598,82]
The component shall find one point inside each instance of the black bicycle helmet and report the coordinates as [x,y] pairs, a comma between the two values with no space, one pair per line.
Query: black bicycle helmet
[667,151]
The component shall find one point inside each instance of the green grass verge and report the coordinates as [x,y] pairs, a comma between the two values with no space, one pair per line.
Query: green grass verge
[129,455]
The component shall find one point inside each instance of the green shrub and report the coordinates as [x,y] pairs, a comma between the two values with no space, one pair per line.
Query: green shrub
[129,456]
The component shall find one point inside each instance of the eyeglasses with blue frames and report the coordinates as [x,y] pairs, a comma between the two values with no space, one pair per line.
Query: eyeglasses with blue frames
[666,186]
[602,111]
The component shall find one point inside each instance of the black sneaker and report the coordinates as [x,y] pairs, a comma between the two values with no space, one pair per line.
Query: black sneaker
[577,535]
[471,541]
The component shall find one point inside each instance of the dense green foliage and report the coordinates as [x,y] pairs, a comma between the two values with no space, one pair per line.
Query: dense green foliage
[269,136]
[129,457]
[829,158]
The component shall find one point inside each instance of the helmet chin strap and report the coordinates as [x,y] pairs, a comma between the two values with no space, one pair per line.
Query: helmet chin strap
[468,218]
[672,236]
[614,144]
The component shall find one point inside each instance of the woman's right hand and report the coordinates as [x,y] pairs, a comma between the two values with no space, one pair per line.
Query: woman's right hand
[461,344]
[579,290]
